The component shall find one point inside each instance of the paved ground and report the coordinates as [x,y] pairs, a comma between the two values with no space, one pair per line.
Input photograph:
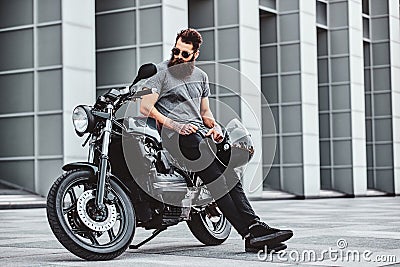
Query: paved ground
[368,227]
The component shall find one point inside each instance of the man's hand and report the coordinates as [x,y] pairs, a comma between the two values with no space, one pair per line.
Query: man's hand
[216,133]
[183,129]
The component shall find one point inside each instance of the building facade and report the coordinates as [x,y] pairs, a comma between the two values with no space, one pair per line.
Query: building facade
[316,82]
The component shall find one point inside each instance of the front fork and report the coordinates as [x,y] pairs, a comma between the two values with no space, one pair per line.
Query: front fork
[104,159]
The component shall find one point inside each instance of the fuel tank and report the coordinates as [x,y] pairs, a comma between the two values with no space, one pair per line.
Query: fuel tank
[142,126]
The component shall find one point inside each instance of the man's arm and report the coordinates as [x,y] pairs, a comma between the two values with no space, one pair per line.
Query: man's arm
[147,109]
[209,121]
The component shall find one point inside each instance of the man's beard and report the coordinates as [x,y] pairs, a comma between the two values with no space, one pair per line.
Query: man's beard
[179,68]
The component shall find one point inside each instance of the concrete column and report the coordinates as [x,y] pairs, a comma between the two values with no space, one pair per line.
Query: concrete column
[79,69]
[250,84]
[394,36]
[357,101]
[309,98]
[174,18]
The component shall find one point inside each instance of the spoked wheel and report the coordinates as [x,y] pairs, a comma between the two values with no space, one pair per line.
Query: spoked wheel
[80,226]
[209,225]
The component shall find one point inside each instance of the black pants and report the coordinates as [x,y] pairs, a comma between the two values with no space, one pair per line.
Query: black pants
[223,184]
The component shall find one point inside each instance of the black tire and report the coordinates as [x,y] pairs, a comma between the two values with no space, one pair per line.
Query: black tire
[205,233]
[76,243]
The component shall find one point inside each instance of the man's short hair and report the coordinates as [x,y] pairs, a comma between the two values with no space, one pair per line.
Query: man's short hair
[190,36]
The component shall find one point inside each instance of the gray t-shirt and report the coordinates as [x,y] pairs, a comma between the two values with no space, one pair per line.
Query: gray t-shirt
[179,99]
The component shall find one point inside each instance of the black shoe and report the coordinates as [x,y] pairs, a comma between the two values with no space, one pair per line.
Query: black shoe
[261,234]
[272,248]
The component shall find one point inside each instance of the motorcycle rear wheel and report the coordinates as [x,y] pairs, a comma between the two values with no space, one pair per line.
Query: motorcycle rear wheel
[209,230]
[64,203]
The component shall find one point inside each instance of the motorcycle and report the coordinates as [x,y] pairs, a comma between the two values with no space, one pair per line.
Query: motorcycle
[94,207]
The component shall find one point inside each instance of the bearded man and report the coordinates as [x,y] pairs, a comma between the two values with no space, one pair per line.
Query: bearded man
[180,105]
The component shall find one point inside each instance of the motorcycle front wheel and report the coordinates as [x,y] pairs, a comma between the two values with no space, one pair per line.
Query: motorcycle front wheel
[209,225]
[82,229]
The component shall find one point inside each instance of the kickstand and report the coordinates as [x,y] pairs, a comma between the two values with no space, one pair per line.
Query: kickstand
[154,234]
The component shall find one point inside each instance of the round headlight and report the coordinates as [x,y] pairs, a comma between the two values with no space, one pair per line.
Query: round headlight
[82,119]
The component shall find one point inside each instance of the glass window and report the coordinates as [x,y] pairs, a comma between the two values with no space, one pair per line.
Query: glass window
[275,114]
[270,150]
[380,28]
[322,42]
[338,14]
[229,107]
[150,25]
[288,5]
[370,159]
[268,3]
[326,181]
[290,58]
[342,175]
[384,155]
[150,54]
[368,128]
[269,61]
[269,87]
[49,10]
[108,36]
[207,51]
[292,175]
[367,54]
[149,2]
[50,90]
[339,42]
[291,119]
[323,98]
[323,71]
[210,70]
[367,80]
[229,77]
[289,27]
[48,170]
[15,13]
[201,13]
[341,152]
[116,67]
[103,5]
[379,7]
[341,125]
[50,135]
[16,49]
[340,69]
[380,52]
[321,13]
[340,97]
[368,110]
[273,178]
[49,46]
[228,12]
[382,105]
[268,32]
[384,177]
[290,88]
[16,93]
[292,149]
[269,120]
[365,6]
[231,37]
[366,28]
[381,79]
[324,126]
[19,173]
[383,129]
[17,137]
[325,153]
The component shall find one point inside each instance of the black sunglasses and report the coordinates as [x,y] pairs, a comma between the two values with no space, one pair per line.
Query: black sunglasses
[177,51]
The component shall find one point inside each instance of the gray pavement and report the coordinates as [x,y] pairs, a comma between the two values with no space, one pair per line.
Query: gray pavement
[325,230]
